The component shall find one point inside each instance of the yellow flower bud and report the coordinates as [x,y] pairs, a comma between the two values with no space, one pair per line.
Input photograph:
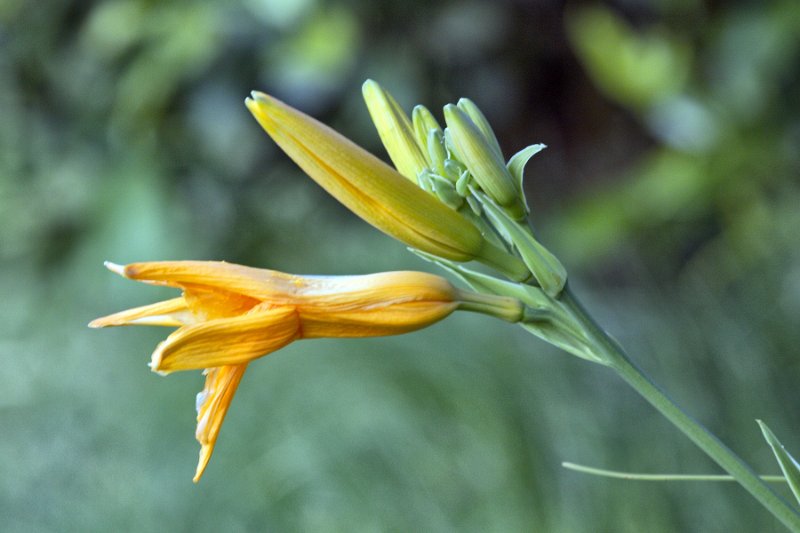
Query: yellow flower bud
[375,191]
[395,131]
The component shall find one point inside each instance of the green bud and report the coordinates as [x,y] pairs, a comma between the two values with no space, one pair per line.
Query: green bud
[423,122]
[478,118]
[483,162]
[445,190]
[437,151]
[395,130]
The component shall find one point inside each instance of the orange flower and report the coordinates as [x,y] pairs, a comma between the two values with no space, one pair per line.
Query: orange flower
[230,314]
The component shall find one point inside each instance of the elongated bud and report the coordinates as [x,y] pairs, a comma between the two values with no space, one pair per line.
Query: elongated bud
[395,130]
[438,153]
[479,119]
[424,122]
[375,191]
[483,161]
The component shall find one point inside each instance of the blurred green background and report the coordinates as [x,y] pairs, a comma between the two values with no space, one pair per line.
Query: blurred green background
[670,189]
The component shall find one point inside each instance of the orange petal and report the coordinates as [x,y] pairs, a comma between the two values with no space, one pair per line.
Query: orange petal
[227,341]
[212,406]
[172,312]
[210,303]
[254,282]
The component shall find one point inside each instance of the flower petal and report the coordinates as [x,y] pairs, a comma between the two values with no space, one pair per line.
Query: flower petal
[172,312]
[257,283]
[212,406]
[401,317]
[227,341]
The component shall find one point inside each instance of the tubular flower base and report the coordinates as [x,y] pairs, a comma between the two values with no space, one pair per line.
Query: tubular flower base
[230,314]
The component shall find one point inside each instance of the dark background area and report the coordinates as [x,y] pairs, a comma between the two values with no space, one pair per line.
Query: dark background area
[669,189]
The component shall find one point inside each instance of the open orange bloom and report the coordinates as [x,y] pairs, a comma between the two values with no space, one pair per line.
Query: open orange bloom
[230,314]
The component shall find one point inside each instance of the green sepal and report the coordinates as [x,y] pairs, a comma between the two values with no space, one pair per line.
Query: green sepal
[444,190]
[788,464]
[475,205]
[544,317]
[533,297]
[516,165]
[424,181]
[463,183]
[545,267]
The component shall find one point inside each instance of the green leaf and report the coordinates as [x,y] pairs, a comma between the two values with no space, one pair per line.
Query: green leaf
[516,165]
[789,467]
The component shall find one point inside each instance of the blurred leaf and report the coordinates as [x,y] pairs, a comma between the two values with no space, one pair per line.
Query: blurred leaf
[637,69]
[315,58]
[789,467]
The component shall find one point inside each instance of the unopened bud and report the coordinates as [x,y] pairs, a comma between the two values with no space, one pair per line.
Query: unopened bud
[395,130]
[483,161]
[468,106]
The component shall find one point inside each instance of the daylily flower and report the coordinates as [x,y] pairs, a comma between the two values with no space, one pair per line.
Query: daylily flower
[375,191]
[230,314]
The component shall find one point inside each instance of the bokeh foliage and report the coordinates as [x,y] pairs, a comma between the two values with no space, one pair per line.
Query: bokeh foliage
[669,189]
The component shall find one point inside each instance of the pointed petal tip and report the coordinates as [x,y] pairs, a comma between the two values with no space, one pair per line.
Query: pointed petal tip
[205,456]
[155,361]
[115,268]
[96,323]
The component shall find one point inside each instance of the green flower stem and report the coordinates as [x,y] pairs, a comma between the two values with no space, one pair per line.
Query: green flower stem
[702,437]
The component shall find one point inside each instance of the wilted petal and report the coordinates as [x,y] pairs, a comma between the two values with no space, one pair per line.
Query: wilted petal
[227,341]
[212,406]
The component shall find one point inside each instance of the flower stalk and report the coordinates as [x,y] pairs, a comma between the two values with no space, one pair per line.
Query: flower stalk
[619,361]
